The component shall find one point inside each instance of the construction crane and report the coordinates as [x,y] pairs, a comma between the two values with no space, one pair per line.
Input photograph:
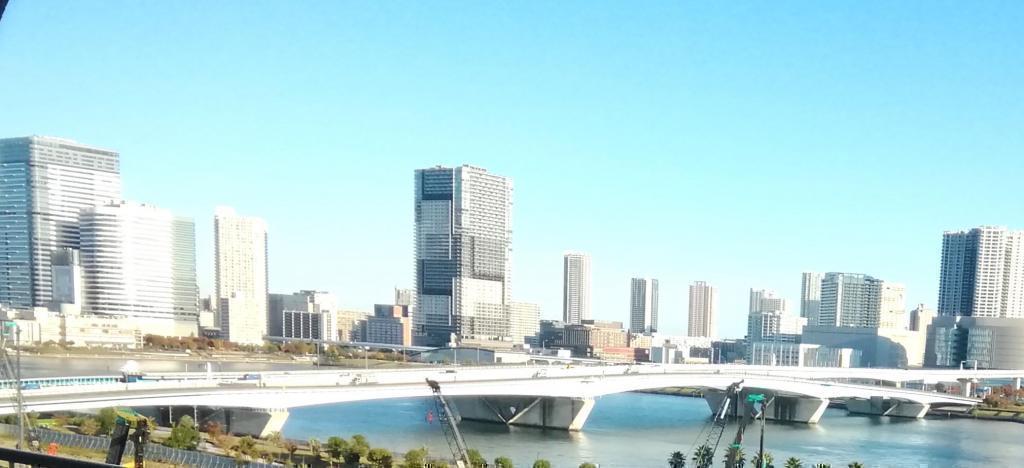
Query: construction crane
[719,420]
[758,407]
[128,420]
[450,426]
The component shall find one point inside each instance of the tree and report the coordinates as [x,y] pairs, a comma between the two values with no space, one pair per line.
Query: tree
[315,447]
[335,446]
[769,461]
[738,456]
[352,454]
[380,458]
[794,462]
[184,436]
[855,465]
[246,447]
[89,426]
[677,460]
[703,457]
[541,463]
[108,420]
[415,458]
[587,465]
[822,465]
[503,462]
[291,448]
[475,459]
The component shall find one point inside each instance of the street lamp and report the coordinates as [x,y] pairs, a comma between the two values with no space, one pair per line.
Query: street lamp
[366,358]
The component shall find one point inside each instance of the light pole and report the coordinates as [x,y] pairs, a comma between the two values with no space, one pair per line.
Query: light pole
[17,378]
[366,358]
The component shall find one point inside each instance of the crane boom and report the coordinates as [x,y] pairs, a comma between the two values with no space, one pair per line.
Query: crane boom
[719,421]
[451,426]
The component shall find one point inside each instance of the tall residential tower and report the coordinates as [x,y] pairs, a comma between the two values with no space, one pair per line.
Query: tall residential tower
[643,305]
[810,296]
[575,287]
[703,308]
[44,183]
[240,245]
[463,219]
[982,273]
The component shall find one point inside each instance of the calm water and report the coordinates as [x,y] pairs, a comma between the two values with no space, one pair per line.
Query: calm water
[640,430]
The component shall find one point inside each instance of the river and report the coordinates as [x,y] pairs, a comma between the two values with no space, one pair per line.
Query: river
[626,430]
[641,430]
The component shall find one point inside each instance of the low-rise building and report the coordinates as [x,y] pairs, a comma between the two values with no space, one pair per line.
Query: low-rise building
[352,325]
[988,342]
[89,330]
[879,347]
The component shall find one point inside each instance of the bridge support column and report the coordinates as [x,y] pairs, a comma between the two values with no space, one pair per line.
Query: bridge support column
[548,412]
[805,409]
[1016,383]
[255,422]
[879,406]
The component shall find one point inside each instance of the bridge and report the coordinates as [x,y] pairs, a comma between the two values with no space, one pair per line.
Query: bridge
[545,396]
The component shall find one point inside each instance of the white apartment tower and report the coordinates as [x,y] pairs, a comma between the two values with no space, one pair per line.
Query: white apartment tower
[575,287]
[703,310]
[463,219]
[44,183]
[982,273]
[240,244]
[810,296]
[858,300]
[643,305]
[138,261]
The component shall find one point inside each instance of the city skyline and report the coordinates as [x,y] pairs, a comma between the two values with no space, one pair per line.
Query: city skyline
[677,134]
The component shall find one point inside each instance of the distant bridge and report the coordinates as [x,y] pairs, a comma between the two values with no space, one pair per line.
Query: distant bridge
[547,396]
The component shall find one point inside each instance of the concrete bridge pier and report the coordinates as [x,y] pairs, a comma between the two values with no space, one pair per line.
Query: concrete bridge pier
[548,412]
[1016,383]
[879,406]
[792,408]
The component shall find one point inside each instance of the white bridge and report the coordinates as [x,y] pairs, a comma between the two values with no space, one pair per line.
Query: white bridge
[545,396]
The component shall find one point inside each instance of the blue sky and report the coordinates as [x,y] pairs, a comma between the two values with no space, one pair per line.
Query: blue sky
[735,143]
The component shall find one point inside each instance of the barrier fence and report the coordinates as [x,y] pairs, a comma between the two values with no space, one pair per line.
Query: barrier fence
[153,452]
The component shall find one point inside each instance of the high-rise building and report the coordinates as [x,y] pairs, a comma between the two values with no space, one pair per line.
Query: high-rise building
[66,274]
[703,308]
[463,244]
[575,287]
[768,321]
[241,275]
[810,296]
[921,317]
[643,305]
[405,297]
[893,306]
[44,183]
[525,318]
[763,300]
[850,300]
[982,273]
[138,261]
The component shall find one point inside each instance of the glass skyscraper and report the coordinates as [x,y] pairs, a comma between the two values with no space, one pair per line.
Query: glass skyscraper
[139,261]
[44,183]
[463,244]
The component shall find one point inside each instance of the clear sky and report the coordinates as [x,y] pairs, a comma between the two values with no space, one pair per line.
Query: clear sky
[731,142]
